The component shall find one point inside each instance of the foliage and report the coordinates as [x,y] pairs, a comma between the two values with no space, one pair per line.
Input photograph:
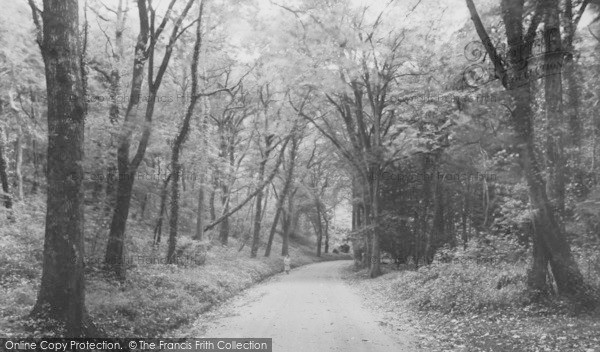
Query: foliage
[462,288]
[488,249]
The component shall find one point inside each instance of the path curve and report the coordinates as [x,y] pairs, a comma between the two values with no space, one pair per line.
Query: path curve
[311,309]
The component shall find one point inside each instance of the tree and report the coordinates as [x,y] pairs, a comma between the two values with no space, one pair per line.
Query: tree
[4,175]
[180,139]
[356,105]
[289,215]
[268,138]
[265,100]
[145,49]
[285,191]
[62,289]
[549,239]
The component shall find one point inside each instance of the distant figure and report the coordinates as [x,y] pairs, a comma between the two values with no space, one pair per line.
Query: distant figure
[286,263]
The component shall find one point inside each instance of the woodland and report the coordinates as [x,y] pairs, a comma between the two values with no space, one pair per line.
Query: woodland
[158,157]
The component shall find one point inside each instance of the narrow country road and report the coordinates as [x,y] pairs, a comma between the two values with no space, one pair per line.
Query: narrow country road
[311,309]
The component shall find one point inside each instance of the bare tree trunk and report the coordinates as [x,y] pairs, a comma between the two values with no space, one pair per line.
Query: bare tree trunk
[62,290]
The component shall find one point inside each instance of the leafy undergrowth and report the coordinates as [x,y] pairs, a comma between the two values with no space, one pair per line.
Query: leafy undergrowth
[475,307]
[155,298]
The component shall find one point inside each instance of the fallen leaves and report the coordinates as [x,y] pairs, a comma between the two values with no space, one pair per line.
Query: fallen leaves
[535,328]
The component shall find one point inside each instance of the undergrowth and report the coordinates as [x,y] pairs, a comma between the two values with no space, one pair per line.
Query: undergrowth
[155,298]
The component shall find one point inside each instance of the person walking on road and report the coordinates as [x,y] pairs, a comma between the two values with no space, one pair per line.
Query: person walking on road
[287,263]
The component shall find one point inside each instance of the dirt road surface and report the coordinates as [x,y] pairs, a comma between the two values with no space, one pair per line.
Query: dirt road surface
[310,310]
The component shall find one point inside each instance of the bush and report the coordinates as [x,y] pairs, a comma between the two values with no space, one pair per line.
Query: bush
[490,249]
[462,287]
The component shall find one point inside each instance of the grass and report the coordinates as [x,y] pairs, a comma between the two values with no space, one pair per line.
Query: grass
[154,300]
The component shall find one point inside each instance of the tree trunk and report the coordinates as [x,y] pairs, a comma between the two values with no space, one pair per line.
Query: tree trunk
[284,192]
[437,230]
[273,228]
[571,77]
[375,254]
[180,140]
[34,149]
[553,62]
[174,219]
[19,164]
[161,210]
[289,220]
[564,268]
[211,202]
[319,229]
[62,290]
[537,278]
[127,169]
[143,207]
[326,235]
[224,228]
[225,153]
[259,196]
[4,175]
[465,215]
[111,189]
[200,211]
[113,259]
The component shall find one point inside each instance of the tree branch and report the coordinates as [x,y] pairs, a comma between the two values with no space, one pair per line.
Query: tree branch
[487,43]
[35,14]
[256,191]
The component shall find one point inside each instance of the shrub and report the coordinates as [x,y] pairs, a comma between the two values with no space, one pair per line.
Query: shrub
[488,249]
[462,287]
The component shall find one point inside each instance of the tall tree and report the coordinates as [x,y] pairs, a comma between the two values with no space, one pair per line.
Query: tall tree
[180,139]
[62,290]
[265,99]
[145,50]
[290,215]
[549,239]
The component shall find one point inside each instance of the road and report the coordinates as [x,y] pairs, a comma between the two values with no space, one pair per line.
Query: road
[311,309]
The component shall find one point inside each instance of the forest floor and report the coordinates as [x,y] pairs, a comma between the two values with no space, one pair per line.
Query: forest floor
[520,327]
[155,299]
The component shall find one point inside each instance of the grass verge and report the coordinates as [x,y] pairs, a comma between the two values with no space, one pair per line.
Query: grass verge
[154,300]
[475,307]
